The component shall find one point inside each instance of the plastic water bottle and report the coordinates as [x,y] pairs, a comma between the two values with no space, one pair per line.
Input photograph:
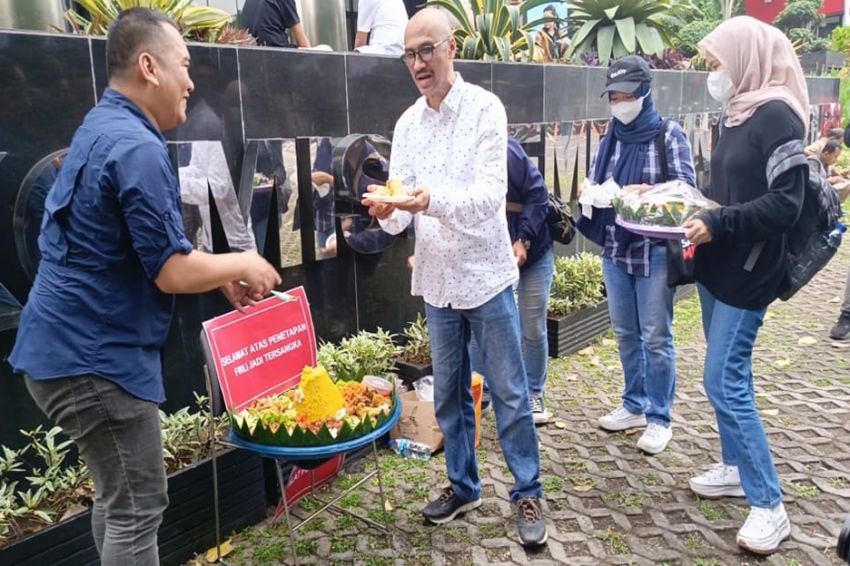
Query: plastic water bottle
[835,235]
[410,449]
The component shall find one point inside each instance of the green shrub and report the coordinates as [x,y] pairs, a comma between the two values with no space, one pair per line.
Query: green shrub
[577,284]
[365,353]
[417,347]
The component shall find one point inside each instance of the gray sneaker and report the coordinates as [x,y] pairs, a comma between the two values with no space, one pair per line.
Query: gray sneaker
[532,527]
[538,411]
[841,328]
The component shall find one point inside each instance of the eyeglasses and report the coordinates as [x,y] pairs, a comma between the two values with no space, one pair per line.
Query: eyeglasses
[425,53]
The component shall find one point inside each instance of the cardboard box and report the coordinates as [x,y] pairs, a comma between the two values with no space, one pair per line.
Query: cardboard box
[418,422]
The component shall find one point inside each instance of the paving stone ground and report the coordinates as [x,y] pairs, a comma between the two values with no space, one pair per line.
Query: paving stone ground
[607,503]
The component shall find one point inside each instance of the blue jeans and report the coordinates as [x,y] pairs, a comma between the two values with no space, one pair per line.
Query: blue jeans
[119,439]
[495,326]
[641,310]
[535,282]
[730,333]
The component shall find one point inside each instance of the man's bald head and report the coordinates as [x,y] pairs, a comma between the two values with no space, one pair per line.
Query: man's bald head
[429,21]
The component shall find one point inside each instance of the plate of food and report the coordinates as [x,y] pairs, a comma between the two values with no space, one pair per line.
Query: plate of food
[393,193]
[659,211]
[317,412]
[662,232]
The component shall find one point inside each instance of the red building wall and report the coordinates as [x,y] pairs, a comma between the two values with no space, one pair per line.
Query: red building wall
[767,10]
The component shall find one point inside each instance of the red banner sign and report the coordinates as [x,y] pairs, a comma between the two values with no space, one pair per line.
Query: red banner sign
[263,351]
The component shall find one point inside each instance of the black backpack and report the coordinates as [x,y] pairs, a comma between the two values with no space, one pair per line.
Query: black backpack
[814,238]
[559,217]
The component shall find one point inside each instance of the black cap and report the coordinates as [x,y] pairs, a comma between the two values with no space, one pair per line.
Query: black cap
[626,74]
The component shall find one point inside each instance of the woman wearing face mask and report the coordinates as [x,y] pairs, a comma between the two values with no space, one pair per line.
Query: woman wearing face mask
[635,268]
[758,174]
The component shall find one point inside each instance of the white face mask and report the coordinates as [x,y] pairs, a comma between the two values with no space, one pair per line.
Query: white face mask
[720,86]
[627,111]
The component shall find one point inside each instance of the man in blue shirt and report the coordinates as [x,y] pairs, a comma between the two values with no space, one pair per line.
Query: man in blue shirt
[113,253]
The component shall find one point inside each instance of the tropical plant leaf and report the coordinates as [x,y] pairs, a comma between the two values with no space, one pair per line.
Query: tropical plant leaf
[611,13]
[493,30]
[504,48]
[620,49]
[605,42]
[194,22]
[632,21]
[626,31]
[584,35]
[456,9]
[649,39]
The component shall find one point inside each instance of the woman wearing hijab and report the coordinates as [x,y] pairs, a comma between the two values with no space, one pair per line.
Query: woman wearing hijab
[758,175]
[635,268]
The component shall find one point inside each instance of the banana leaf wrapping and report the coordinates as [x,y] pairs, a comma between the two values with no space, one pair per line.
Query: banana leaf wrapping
[666,204]
[302,438]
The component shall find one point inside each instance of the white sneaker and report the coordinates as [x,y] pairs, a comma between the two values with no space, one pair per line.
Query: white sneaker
[764,530]
[655,438]
[720,481]
[538,411]
[621,419]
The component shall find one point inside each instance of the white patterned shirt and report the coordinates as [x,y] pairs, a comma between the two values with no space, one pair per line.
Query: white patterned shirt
[463,250]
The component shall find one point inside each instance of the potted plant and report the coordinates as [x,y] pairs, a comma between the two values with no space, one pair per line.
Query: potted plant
[365,353]
[50,521]
[414,361]
[578,310]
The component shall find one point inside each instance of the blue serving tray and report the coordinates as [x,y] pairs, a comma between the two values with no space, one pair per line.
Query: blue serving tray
[319,452]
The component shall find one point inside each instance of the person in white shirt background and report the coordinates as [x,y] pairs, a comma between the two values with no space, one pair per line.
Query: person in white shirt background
[380,27]
[449,149]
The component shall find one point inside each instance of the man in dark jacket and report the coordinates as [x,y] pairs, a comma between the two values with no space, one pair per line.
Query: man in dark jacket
[275,23]
[527,205]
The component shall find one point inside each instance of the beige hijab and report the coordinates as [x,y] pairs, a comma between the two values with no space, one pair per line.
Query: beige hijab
[762,65]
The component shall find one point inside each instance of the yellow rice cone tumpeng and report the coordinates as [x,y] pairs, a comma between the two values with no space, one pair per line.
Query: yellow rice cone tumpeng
[321,398]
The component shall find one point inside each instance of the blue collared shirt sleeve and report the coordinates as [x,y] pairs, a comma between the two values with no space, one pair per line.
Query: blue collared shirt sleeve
[680,159]
[527,187]
[148,193]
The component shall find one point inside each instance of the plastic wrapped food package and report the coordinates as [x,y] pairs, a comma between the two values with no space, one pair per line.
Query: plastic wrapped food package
[668,204]
[597,196]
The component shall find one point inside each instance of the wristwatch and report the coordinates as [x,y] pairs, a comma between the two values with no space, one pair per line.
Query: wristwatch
[526,243]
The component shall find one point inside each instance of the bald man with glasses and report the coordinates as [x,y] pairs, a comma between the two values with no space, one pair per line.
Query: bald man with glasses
[449,149]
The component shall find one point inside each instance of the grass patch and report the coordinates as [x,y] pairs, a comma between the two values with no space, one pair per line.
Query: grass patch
[378,542]
[709,511]
[346,522]
[351,500]
[627,500]
[552,484]
[457,534]
[582,482]
[317,524]
[669,460]
[275,551]
[687,320]
[306,547]
[707,562]
[615,541]
[343,544]
[491,530]
[309,504]
[694,542]
[378,516]
[838,483]
[652,479]
[805,491]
